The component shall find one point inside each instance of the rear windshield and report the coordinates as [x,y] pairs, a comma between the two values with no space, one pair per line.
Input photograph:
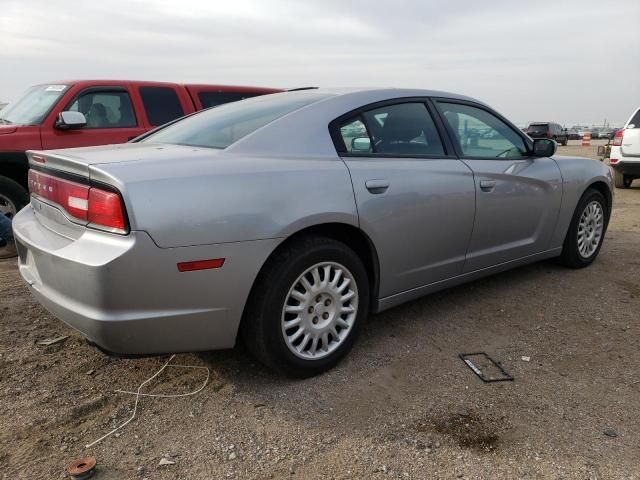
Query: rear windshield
[33,106]
[222,126]
[537,128]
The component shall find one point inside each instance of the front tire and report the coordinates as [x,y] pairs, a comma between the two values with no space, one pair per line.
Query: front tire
[586,231]
[13,197]
[307,307]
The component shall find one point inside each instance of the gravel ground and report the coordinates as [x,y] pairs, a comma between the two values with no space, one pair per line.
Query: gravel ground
[402,405]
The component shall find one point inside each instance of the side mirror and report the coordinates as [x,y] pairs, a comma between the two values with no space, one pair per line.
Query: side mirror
[544,147]
[70,120]
[361,145]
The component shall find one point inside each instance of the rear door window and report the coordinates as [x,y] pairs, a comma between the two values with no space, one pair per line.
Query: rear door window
[105,109]
[403,129]
[213,99]
[635,121]
[161,104]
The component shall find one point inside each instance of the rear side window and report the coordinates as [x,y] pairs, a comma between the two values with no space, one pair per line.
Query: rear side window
[104,109]
[404,129]
[225,125]
[635,121]
[213,99]
[537,129]
[161,104]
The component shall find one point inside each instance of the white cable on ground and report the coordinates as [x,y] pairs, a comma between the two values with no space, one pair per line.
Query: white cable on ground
[173,395]
[138,395]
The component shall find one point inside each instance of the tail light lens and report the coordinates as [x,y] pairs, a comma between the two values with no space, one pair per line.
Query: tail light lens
[548,133]
[105,210]
[617,138]
[83,203]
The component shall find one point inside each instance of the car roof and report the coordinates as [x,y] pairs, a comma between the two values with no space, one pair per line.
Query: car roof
[306,129]
[391,93]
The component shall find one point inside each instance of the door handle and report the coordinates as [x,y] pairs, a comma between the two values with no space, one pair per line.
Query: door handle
[487,185]
[377,186]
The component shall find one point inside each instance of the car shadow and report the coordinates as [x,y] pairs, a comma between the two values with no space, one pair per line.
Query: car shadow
[238,366]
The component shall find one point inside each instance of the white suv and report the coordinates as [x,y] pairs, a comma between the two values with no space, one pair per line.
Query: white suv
[625,152]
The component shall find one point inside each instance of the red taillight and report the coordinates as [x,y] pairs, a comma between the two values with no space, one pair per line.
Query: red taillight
[617,138]
[548,133]
[613,161]
[88,205]
[105,209]
[72,196]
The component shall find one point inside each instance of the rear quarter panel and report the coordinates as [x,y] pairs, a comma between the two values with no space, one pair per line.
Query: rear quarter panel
[231,198]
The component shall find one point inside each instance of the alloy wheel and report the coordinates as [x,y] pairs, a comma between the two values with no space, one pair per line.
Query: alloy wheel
[320,310]
[590,229]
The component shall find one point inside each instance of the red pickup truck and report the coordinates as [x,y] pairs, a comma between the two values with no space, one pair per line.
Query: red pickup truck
[100,112]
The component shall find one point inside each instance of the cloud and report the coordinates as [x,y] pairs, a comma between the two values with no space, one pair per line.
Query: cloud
[563,61]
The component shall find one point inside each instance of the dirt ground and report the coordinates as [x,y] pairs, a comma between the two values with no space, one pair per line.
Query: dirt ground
[402,405]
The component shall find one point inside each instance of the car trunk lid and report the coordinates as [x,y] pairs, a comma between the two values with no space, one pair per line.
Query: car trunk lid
[70,190]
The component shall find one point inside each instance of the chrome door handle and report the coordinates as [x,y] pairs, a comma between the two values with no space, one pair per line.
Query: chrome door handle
[487,185]
[377,186]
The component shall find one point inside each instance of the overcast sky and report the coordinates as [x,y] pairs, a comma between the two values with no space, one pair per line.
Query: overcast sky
[570,61]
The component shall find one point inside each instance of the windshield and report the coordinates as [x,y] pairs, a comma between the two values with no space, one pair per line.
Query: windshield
[33,106]
[221,126]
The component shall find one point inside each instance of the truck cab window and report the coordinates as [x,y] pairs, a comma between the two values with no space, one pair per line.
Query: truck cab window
[161,104]
[105,109]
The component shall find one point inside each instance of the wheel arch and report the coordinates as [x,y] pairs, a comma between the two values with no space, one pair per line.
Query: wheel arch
[604,189]
[14,165]
[350,235]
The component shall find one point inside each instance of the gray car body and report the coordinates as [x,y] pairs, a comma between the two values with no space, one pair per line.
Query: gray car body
[432,228]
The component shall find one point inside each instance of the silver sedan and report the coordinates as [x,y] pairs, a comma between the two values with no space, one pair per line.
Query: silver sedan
[287,219]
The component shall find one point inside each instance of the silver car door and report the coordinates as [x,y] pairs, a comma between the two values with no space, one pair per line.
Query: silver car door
[517,196]
[414,201]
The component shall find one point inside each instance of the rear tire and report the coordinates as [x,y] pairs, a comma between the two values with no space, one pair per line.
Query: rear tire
[586,231]
[620,180]
[13,197]
[294,313]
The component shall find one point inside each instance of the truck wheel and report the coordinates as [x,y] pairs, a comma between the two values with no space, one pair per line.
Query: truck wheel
[620,180]
[307,307]
[565,141]
[12,197]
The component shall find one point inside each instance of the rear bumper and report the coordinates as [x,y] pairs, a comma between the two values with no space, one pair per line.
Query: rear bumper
[126,295]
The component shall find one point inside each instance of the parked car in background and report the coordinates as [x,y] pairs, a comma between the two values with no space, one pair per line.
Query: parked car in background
[94,112]
[606,133]
[550,130]
[583,131]
[625,152]
[573,134]
[292,217]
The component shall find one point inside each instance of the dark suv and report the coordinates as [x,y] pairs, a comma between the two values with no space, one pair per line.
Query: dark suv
[548,130]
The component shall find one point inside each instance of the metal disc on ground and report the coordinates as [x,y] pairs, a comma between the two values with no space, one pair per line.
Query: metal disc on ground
[82,468]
